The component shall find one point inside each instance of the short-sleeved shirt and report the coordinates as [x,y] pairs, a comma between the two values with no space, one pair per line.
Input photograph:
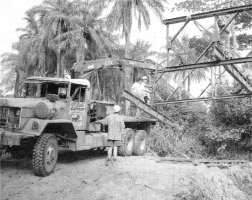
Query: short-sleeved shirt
[115,126]
[136,89]
[145,90]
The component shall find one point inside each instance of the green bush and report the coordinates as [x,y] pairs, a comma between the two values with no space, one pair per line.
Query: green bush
[229,129]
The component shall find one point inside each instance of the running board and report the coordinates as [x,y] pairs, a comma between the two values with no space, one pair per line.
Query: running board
[148,109]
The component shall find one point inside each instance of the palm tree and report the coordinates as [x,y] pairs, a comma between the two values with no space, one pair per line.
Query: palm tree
[69,27]
[34,50]
[121,16]
[13,66]
[54,16]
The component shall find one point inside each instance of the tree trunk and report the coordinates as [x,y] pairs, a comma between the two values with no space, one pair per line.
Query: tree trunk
[128,71]
[59,66]
[17,84]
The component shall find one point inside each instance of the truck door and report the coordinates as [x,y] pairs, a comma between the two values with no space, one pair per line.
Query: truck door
[78,106]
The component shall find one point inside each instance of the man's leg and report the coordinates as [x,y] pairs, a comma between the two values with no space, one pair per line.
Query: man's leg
[109,155]
[115,153]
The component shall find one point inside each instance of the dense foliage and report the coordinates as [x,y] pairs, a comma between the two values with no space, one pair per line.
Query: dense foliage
[229,127]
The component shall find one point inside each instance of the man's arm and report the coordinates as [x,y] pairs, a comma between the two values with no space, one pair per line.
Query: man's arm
[102,121]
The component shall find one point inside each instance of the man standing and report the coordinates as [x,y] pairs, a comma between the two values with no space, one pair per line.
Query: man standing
[145,92]
[115,127]
[137,88]
[137,91]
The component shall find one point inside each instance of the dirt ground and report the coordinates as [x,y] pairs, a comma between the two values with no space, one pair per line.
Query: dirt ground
[85,176]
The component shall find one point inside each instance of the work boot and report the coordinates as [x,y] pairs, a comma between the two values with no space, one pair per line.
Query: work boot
[107,161]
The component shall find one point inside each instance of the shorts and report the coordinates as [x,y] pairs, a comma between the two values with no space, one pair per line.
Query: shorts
[114,143]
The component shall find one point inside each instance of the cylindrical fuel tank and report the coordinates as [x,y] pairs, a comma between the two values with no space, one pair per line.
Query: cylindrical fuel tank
[45,110]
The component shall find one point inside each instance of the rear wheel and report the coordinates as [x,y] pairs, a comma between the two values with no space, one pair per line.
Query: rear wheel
[45,155]
[127,143]
[140,146]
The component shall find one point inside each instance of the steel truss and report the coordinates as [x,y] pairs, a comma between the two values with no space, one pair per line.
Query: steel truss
[222,60]
[154,68]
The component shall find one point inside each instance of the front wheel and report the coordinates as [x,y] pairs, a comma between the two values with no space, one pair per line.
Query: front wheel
[45,155]
[140,146]
[127,143]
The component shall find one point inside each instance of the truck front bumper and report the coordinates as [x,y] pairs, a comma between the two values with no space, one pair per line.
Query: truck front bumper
[9,138]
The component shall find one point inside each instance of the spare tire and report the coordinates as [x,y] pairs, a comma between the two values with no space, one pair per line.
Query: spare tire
[127,143]
[140,145]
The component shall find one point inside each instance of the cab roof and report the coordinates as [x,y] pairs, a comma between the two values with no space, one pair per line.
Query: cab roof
[84,82]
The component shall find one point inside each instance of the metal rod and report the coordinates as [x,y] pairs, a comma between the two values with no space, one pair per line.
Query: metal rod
[212,83]
[229,22]
[181,28]
[225,90]
[248,14]
[204,90]
[172,93]
[205,99]
[158,77]
[249,54]
[198,24]
[209,14]
[167,43]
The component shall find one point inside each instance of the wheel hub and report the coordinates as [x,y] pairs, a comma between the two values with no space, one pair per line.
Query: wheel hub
[50,155]
[129,144]
[142,144]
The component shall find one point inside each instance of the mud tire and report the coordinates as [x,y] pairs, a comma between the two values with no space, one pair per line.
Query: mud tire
[140,145]
[127,143]
[45,155]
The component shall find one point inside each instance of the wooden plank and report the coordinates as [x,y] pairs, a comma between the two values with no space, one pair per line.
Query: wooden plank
[207,162]
[171,159]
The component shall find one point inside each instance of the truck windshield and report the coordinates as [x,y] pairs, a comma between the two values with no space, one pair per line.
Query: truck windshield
[41,89]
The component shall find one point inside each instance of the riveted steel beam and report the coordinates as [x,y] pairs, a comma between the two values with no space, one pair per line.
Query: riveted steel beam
[207,64]
[209,14]
[204,99]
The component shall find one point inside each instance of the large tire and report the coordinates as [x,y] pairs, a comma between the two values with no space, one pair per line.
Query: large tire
[127,143]
[140,145]
[45,155]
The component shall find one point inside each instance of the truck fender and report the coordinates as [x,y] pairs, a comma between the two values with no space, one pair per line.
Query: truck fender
[60,127]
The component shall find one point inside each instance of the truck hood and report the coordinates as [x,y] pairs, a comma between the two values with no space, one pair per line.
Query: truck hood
[19,102]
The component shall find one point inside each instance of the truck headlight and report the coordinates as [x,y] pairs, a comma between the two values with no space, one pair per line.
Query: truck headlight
[35,125]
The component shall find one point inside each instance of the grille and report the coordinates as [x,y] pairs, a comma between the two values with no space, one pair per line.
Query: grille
[10,117]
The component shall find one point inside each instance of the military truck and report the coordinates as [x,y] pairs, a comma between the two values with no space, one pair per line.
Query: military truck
[57,112]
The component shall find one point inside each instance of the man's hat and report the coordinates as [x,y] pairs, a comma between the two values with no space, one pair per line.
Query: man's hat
[117,108]
[144,78]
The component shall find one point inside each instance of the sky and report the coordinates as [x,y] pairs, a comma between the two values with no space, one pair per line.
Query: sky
[12,13]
